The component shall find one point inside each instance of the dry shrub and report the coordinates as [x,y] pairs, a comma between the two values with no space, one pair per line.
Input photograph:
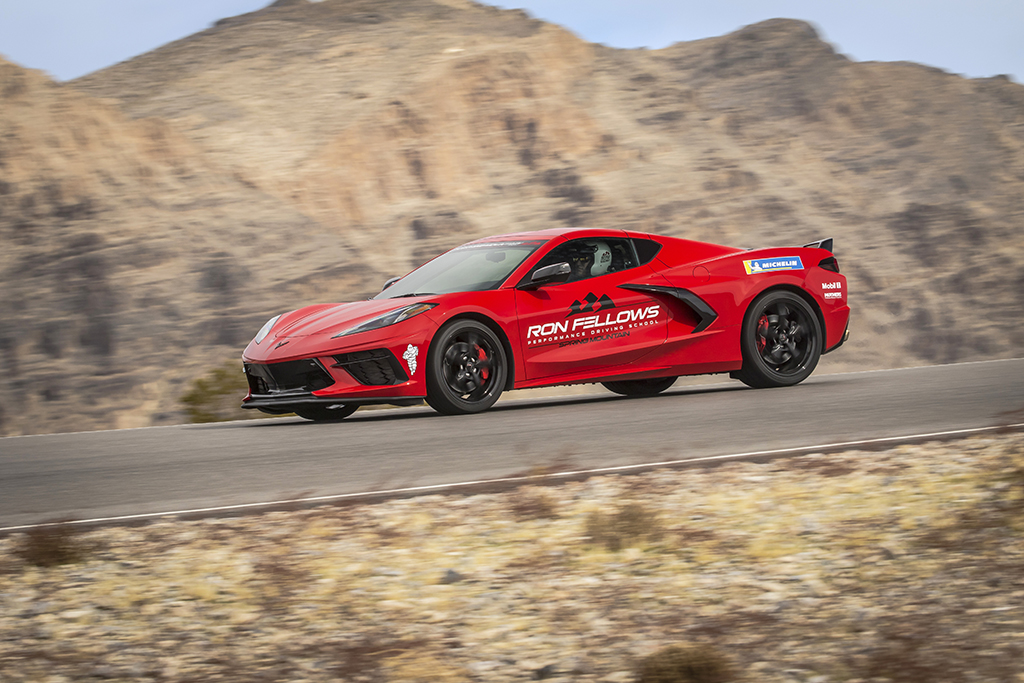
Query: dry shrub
[910,648]
[905,651]
[900,659]
[422,667]
[984,522]
[531,503]
[391,535]
[49,546]
[826,466]
[278,579]
[366,659]
[685,664]
[1013,478]
[629,525]
[217,396]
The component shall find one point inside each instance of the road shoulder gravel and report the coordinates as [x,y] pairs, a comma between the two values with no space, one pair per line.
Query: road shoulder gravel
[903,564]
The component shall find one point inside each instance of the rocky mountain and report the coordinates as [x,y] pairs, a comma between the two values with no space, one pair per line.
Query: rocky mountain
[128,260]
[309,150]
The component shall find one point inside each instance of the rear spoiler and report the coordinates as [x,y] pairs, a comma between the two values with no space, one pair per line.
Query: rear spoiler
[825,244]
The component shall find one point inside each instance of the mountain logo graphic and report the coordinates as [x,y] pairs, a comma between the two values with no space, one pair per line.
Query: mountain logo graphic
[590,304]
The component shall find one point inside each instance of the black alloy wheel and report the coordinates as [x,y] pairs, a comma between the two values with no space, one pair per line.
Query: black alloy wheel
[325,412]
[640,387]
[466,368]
[781,341]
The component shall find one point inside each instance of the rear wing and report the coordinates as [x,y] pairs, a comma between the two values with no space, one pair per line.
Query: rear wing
[825,244]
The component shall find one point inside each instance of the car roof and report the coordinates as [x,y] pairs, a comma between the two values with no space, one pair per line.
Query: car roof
[550,233]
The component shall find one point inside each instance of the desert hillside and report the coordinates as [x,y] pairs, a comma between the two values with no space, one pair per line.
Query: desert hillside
[128,261]
[155,213]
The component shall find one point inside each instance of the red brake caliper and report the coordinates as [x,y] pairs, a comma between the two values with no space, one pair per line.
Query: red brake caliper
[762,333]
[481,355]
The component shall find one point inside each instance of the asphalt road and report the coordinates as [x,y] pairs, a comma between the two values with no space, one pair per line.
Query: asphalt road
[101,474]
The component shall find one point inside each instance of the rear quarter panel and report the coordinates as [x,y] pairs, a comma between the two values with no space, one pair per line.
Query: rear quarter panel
[729,283]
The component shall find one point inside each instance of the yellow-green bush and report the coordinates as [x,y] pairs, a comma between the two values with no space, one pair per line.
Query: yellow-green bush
[217,395]
[629,525]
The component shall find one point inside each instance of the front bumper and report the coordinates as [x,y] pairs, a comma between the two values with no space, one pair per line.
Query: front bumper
[286,403]
[383,368]
[368,377]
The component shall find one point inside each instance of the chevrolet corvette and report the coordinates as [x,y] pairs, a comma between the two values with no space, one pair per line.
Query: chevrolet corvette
[629,310]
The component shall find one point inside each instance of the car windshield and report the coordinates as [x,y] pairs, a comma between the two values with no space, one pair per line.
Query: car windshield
[472,267]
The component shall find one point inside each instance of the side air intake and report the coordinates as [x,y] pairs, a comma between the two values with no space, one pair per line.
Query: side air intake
[706,314]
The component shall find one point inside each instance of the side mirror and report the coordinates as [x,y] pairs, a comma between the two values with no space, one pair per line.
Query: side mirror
[390,282]
[548,275]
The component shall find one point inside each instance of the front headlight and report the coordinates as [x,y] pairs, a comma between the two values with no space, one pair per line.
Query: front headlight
[389,318]
[265,330]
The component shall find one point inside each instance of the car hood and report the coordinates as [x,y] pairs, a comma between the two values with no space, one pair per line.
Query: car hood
[330,319]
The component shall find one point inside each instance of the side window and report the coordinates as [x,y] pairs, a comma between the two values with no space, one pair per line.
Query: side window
[646,250]
[592,257]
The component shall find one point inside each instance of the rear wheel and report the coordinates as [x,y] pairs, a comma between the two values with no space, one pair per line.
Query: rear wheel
[466,368]
[325,412]
[640,387]
[781,341]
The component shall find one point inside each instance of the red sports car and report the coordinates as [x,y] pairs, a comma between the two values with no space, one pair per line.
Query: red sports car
[630,310]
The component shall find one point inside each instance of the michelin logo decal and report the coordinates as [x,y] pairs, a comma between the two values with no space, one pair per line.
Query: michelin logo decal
[410,358]
[767,265]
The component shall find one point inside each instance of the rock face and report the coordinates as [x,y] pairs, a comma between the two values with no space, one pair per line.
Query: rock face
[128,261]
[309,150]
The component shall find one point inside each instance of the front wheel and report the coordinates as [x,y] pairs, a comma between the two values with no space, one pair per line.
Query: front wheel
[325,412]
[640,387]
[466,368]
[781,341]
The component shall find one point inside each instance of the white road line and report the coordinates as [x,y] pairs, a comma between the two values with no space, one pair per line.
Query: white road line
[523,479]
[918,367]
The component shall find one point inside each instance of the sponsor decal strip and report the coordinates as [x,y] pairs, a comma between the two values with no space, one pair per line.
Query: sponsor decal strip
[830,290]
[455,486]
[768,265]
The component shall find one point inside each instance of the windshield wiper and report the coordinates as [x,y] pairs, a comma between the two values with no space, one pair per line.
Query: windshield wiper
[403,296]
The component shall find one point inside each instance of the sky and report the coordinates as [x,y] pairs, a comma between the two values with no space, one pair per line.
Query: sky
[975,38]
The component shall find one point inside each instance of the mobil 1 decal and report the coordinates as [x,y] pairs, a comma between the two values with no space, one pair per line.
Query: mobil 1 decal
[594,319]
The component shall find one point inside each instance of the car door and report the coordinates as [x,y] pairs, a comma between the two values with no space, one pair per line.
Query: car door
[588,323]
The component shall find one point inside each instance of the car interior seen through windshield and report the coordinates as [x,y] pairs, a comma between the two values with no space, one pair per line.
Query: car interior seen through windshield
[472,267]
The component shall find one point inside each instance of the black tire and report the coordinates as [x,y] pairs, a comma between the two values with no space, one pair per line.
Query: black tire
[466,368]
[640,387]
[781,341]
[275,411]
[325,412]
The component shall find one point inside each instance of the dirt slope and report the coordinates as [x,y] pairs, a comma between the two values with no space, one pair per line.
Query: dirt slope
[378,133]
[130,262]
